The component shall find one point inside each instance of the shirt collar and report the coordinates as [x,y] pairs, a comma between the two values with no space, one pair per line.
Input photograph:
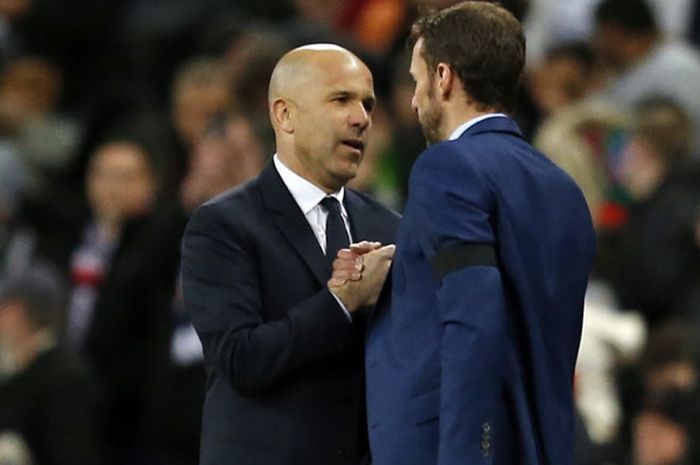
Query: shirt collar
[306,194]
[463,128]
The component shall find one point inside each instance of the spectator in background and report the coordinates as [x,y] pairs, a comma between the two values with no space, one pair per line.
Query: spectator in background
[122,262]
[611,338]
[582,136]
[641,62]
[250,59]
[665,430]
[46,395]
[17,242]
[652,261]
[563,78]
[226,156]
[670,359]
[201,89]
[30,91]
[76,35]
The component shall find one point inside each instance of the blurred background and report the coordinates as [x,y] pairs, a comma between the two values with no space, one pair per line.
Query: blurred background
[119,117]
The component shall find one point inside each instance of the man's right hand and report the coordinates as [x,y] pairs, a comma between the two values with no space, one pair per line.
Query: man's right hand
[359,274]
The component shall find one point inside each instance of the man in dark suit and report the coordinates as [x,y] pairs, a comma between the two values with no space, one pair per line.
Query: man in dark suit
[284,358]
[47,394]
[474,362]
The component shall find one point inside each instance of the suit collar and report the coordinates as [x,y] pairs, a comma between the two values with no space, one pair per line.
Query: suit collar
[463,127]
[291,222]
[306,194]
[499,124]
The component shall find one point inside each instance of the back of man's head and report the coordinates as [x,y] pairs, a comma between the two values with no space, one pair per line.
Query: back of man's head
[667,128]
[635,17]
[483,43]
[41,292]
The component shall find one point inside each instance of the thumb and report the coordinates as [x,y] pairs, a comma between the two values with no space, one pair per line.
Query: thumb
[364,247]
[387,251]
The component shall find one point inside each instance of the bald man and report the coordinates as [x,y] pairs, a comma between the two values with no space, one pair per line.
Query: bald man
[284,356]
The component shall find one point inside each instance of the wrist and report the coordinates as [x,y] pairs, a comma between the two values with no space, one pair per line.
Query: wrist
[345,297]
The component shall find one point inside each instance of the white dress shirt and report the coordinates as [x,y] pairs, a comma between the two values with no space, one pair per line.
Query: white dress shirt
[308,197]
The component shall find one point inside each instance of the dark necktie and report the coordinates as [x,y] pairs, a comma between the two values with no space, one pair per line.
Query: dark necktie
[336,234]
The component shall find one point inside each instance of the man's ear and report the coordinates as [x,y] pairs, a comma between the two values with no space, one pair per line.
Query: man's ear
[283,116]
[445,78]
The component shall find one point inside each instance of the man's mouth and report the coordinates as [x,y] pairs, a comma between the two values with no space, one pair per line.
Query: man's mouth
[356,144]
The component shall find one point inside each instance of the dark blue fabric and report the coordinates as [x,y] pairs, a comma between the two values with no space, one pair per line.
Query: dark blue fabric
[477,367]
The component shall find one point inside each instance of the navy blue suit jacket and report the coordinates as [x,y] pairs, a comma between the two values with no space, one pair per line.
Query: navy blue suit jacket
[285,366]
[477,367]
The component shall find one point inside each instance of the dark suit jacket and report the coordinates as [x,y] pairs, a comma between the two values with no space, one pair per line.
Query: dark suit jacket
[129,324]
[477,367]
[285,382]
[51,405]
[129,327]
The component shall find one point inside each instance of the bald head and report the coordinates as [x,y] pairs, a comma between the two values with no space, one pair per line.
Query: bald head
[320,99]
[303,66]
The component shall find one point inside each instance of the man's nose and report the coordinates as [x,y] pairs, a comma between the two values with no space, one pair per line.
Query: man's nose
[359,116]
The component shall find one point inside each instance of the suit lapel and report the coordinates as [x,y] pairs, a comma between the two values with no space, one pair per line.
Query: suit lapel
[291,222]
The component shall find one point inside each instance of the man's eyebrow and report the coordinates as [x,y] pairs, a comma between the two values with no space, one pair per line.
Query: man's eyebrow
[341,93]
[368,98]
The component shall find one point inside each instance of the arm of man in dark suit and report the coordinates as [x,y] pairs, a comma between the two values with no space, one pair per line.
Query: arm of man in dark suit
[222,292]
[453,208]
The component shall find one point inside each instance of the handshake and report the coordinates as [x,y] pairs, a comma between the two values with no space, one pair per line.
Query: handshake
[359,273]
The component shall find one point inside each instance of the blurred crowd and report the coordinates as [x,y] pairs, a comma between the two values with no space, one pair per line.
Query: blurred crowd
[118,118]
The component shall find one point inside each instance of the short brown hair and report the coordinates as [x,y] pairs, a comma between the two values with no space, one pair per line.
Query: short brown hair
[483,43]
[667,127]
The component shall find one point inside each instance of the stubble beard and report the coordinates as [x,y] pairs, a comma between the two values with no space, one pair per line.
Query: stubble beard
[431,120]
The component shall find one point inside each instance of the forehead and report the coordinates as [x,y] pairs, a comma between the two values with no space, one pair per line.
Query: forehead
[346,75]
[119,154]
[417,60]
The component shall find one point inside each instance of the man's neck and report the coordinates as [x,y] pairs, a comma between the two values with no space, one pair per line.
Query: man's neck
[456,117]
[293,164]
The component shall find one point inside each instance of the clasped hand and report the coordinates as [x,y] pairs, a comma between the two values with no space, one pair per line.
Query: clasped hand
[359,273]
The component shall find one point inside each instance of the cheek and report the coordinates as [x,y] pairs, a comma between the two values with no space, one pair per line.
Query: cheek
[138,193]
[99,190]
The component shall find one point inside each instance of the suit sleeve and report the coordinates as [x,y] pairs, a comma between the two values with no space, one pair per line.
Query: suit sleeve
[454,205]
[222,293]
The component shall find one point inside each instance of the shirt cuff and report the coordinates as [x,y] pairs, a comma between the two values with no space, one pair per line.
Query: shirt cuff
[342,306]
